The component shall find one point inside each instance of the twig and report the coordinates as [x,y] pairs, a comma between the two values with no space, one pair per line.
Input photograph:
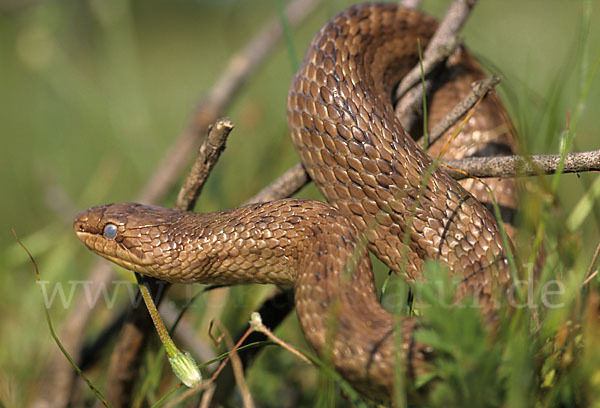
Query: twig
[518,166]
[207,157]
[257,325]
[431,60]
[206,400]
[273,310]
[442,44]
[409,108]
[590,277]
[286,185]
[502,166]
[479,90]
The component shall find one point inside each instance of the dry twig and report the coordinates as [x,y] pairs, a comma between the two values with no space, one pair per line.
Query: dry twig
[442,44]
[478,91]
[286,185]
[517,166]
[207,157]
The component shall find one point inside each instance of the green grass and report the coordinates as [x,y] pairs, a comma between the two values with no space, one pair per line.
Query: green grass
[93,93]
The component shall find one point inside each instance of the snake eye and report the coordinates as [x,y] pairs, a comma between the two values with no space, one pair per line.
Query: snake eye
[110,231]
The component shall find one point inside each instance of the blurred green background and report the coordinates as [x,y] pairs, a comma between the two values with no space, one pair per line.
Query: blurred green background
[92,93]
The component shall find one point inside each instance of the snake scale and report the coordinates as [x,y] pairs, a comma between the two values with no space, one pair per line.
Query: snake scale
[379,184]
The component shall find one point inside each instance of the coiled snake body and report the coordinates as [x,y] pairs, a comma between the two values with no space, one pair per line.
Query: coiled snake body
[380,185]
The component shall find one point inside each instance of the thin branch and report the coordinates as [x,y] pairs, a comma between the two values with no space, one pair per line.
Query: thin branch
[518,166]
[440,47]
[274,309]
[442,44]
[483,167]
[590,277]
[479,90]
[434,55]
[257,325]
[207,157]
[207,396]
[286,185]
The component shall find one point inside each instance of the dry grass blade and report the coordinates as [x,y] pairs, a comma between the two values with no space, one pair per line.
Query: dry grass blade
[590,272]
[238,368]
[408,96]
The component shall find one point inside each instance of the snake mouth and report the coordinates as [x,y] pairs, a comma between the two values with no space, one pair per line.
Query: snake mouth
[97,244]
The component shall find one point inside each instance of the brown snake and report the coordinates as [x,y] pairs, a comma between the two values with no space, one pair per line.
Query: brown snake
[380,186]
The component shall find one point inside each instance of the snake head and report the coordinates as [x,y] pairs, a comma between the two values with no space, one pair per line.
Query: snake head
[131,235]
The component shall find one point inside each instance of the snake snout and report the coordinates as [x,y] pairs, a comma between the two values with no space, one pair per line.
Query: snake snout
[89,221]
[81,223]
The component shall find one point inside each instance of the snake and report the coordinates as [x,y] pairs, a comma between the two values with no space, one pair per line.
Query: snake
[384,195]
